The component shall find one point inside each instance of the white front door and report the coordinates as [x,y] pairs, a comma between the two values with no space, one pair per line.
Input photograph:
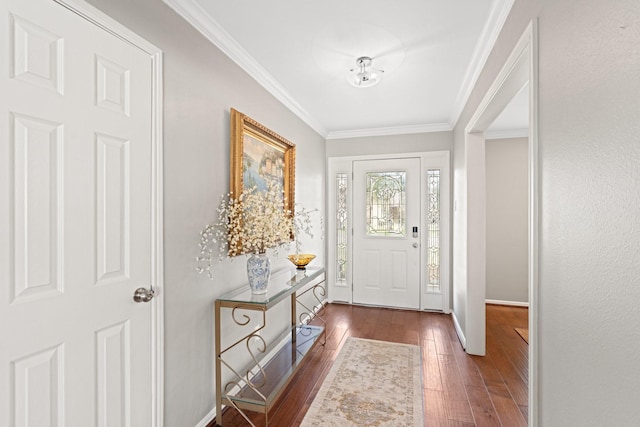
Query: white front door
[75,222]
[386,240]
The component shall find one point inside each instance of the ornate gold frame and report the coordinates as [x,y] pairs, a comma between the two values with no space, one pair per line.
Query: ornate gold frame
[243,126]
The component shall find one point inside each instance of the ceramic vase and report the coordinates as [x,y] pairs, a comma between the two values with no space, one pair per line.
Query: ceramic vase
[258,273]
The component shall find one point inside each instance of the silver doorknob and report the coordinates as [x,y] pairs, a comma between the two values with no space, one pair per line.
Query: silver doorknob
[143,295]
[415,245]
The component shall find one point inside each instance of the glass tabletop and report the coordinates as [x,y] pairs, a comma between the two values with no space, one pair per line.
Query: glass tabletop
[282,284]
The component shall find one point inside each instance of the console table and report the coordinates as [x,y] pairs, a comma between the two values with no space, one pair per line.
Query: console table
[256,385]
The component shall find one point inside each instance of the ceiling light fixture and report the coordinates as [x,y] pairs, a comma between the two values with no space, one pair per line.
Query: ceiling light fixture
[364,74]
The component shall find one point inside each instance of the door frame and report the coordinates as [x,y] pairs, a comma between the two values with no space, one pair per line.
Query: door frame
[343,292]
[373,277]
[99,18]
[520,67]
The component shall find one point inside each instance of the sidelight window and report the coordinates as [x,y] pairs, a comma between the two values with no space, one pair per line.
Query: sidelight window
[341,227]
[433,230]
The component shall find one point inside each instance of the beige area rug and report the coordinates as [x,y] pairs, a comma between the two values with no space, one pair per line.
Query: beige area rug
[524,333]
[371,383]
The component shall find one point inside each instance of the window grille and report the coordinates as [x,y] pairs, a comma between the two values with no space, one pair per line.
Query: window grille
[341,227]
[386,203]
[433,230]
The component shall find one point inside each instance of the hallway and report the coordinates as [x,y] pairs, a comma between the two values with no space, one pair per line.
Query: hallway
[459,389]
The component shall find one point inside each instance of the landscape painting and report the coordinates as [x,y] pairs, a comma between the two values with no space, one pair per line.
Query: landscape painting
[259,157]
[261,164]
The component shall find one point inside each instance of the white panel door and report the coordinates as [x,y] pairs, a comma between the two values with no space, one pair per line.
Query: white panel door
[386,255]
[75,222]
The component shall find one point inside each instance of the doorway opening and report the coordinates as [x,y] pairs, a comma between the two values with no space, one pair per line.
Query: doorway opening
[369,213]
[519,70]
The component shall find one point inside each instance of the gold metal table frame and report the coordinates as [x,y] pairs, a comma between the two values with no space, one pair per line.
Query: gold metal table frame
[258,384]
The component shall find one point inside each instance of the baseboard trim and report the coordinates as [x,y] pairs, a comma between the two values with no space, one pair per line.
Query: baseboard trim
[208,419]
[511,303]
[461,336]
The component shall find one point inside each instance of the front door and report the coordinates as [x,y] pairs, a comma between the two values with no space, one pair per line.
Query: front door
[75,221]
[386,240]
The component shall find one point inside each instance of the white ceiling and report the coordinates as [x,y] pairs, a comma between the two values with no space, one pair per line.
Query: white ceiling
[431,52]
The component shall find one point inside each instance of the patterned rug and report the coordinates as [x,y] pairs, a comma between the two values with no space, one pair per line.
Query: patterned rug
[371,383]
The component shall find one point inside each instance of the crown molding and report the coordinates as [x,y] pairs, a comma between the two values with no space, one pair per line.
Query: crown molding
[396,130]
[497,17]
[200,19]
[507,133]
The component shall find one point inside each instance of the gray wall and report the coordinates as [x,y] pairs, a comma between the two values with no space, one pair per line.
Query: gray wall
[589,321]
[390,144]
[507,209]
[200,86]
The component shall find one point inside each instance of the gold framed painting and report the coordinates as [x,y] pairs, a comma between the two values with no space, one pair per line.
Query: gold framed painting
[260,156]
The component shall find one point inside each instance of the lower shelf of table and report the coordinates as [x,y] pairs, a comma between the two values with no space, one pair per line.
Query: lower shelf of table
[278,371]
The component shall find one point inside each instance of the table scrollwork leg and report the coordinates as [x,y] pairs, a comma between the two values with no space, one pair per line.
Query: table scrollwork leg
[243,322]
[317,311]
[230,385]
[255,345]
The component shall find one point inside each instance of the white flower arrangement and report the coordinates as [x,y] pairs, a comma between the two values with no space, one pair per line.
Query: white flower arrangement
[302,224]
[252,223]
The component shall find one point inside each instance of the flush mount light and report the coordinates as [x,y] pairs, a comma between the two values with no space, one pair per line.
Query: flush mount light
[364,74]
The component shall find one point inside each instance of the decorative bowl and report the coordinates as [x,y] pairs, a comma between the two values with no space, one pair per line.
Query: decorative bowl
[301,260]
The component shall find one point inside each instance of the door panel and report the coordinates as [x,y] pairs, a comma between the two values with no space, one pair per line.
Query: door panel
[399,269]
[386,269]
[75,222]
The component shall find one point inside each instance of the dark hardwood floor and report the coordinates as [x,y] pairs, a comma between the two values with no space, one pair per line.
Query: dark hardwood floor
[459,389]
